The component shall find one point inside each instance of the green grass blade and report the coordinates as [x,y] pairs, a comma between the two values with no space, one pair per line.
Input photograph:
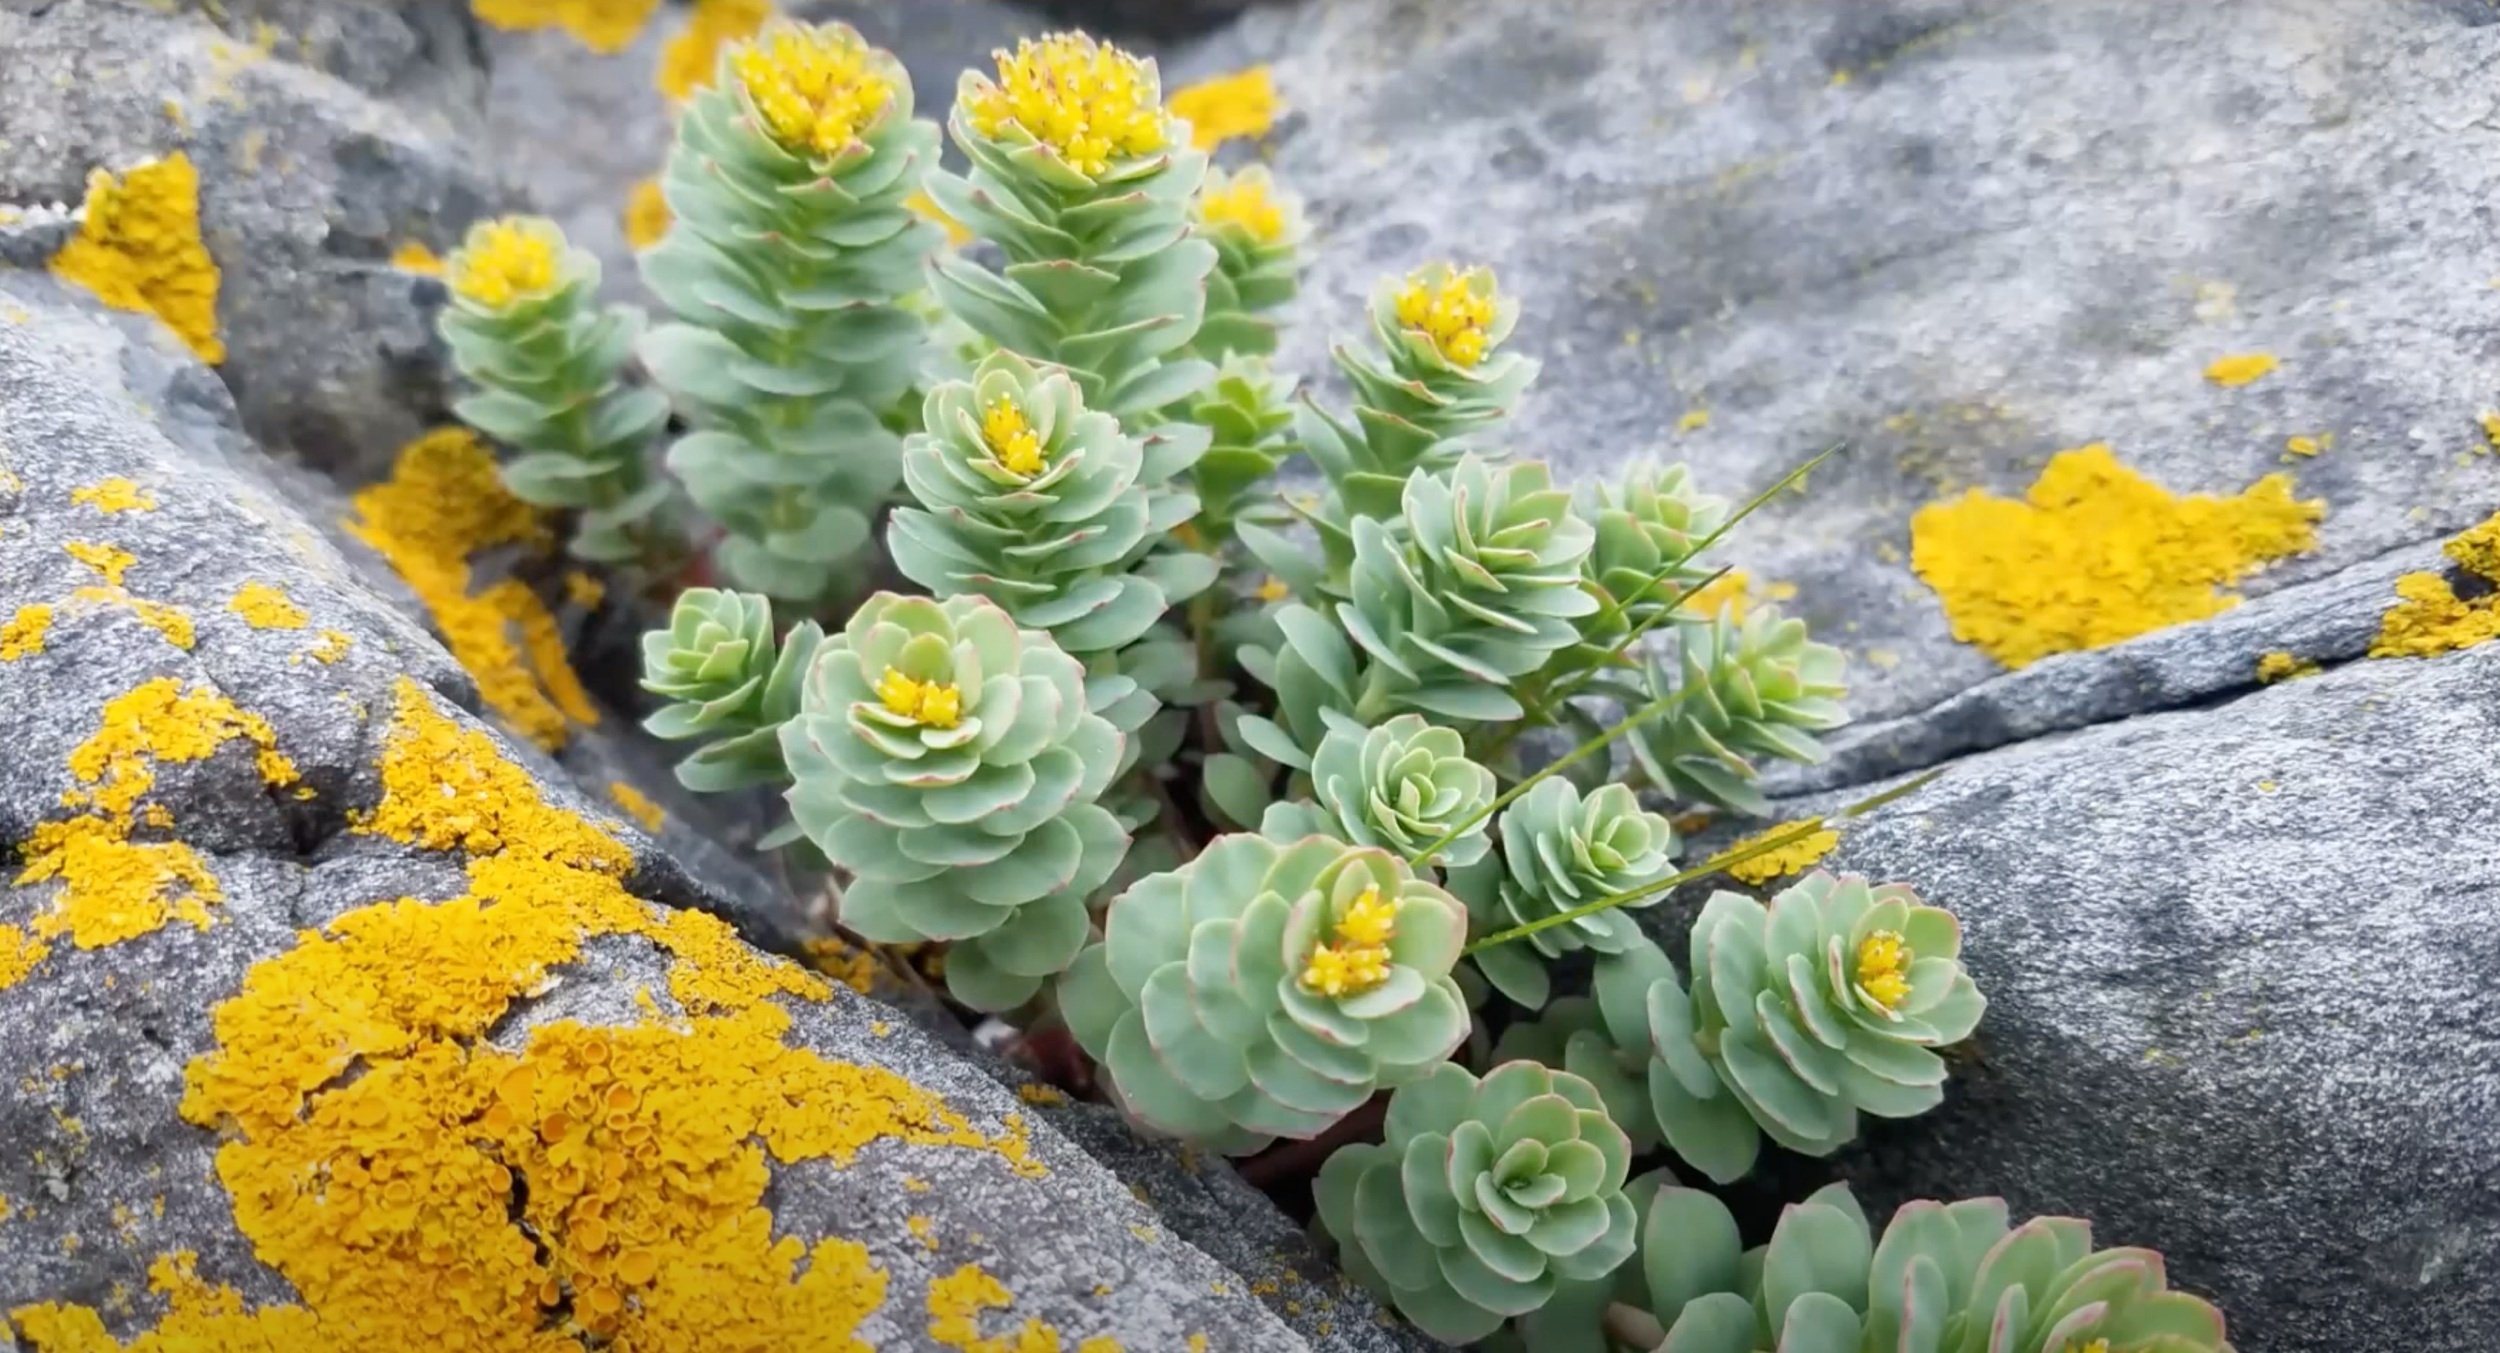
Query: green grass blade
[1568,759]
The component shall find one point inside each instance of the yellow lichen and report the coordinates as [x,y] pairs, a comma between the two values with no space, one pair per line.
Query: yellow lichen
[1040,1096]
[584,590]
[647,216]
[22,636]
[139,249]
[2239,368]
[1736,593]
[924,1229]
[171,621]
[1782,861]
[109,561]
[1694,420]
[1453,315]
[332,646]
[2306,446]
[413,256]
[636,805]
[2429,618]
[443,503]
[507,261]
[956,1303]
[2096,553]
[2280,665]
[1089,102]
[604,26]
[692,58]
[1242,104]
[846,963]
[638,1156]
[817,89]
[113,495]
[264,607]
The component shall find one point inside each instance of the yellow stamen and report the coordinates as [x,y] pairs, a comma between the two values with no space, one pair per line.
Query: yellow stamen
[932,704]
[1453,315]
[1244,201]
[505,261]
[817,89]
[1359,960]
[1884,968]
[1011,440]
[1089,101]
[1370,921]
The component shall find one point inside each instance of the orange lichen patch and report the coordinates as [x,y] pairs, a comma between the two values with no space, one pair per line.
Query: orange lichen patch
[139,249]
[692,58]
[2429,618]
[2239,368]
[2096,553]
[113,495]
[264,607]
[442,504]
[638,807]
[109,561]
[846,963]
[1781,861]
[1242,104]
[647,217]
[639,1156]
[22,635]
[413,256]
[115,889]
[956,1303]
[2280,665]
[604,26]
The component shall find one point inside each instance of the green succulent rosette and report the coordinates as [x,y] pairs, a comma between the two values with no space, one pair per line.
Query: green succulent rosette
[1401,786]
[1045,507]
[1250,425]
[1650,526]
[547,363]
[1266,989]
[947,759]
[1943,1278]
[1603,1037]
[1752,688]
[1483,1198]
[1084,182]
[725,679]
[1258,232]
[1562,849]
[787,262]
[1826,1004]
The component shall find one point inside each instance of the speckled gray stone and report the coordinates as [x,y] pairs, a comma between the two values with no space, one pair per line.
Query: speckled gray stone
[98,1039]
[1957,235]
[326,135]
[2240,1009]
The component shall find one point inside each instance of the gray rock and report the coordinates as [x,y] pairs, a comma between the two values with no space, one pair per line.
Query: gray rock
[2236,965]
[880,1137]
[1956,236]
[325,135]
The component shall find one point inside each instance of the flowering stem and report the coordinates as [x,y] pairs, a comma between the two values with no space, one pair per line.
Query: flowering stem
[1793,832]
[1568,759]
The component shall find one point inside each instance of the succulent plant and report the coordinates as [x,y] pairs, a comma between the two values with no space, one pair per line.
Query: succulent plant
[1560,850]
[717,666]
[1751,688]
[1803,1014]
[1045,507]
[948,760]
[789,254]
[1603,1037]
[1258,233]
[1649,528]
[548,363]
[1401,786]
[1944,1278]
[1485,1195]
[1084,182]
[1265,990]
[1251,430]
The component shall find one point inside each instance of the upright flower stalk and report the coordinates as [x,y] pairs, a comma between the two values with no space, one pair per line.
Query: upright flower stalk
[790,253]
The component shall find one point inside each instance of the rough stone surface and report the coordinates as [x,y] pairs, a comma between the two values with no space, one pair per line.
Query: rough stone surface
[104,1175]
[1958,236]
[326,135]
[2236,961]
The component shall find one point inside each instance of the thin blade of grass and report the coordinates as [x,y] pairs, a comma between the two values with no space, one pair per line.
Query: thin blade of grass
[1790,834]
[1568,759]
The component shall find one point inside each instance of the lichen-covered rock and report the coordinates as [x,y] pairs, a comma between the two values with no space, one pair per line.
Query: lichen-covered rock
[325,137]
[1958,237]
[339,1023]
[2237,962]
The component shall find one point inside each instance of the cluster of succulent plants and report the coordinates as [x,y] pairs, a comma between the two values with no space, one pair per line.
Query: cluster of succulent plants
[1226,730]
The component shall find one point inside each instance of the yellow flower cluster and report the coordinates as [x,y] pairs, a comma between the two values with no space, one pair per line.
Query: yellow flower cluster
[1884,968]
[1011,439]
[817,89]
[1359,959]
[505,262]
[1089,101]
[1454,314]
[933,704]
[1244,200]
